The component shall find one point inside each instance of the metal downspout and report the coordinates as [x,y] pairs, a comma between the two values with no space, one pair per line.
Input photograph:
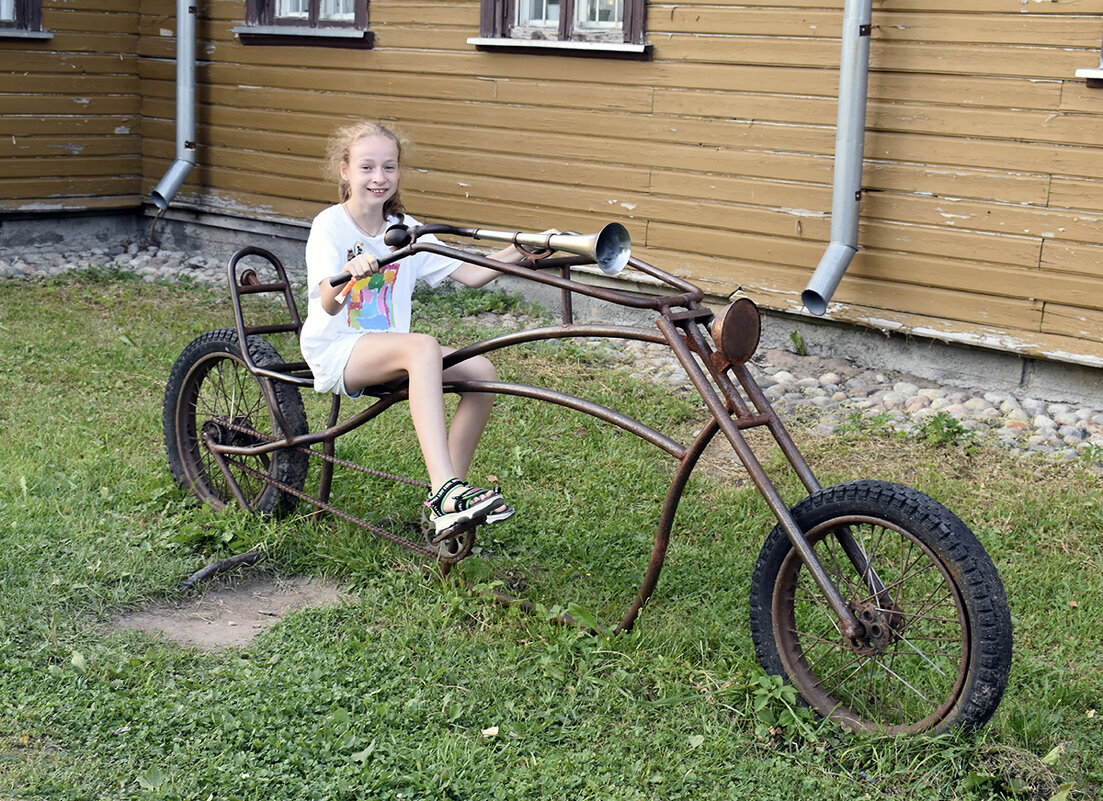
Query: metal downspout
[849,154]
[164,192]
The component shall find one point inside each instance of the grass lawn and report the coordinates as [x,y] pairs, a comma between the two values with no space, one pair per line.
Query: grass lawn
[418,687]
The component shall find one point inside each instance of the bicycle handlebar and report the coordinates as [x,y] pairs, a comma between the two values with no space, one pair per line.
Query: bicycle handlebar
[404,241]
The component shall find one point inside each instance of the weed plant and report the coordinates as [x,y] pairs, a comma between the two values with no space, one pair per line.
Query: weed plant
[419,686]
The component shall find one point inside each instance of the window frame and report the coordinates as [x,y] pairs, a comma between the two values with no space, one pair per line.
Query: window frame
[1093,77]
[26,22]
[263,27]
[498,29]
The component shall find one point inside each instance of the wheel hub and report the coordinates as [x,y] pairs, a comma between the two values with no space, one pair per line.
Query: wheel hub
[881,628]
[220,431]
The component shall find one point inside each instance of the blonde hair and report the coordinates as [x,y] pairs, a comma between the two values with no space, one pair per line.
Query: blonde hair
[337,153]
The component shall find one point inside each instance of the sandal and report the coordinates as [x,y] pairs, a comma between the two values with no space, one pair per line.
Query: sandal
[503,512]
[465,504]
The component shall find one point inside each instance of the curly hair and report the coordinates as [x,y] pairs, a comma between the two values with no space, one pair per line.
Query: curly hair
[337,153]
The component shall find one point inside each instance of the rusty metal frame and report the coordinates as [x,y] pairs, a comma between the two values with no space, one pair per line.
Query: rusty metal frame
[729,392]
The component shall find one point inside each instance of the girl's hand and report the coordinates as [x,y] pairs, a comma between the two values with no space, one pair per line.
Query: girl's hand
[514,254]
[361,265]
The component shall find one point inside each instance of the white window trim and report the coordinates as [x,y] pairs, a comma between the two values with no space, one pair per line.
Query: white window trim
[19,33]
[556,44]
[300,30]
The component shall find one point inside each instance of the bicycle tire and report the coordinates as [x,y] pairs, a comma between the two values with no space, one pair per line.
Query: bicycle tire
[938,651]
[211,390]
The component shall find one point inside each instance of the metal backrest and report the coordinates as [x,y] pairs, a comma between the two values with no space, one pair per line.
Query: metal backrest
[245,281]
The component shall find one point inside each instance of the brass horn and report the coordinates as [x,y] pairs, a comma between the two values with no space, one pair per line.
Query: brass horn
[611,247]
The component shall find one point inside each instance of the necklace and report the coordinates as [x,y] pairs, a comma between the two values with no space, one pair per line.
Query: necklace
[379,228]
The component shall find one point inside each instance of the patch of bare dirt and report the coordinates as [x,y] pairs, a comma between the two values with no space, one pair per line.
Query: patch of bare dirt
[229,613]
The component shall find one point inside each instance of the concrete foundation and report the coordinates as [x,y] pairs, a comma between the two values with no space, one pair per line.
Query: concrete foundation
[950,364]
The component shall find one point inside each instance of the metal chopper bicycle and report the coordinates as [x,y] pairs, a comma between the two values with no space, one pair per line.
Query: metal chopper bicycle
[875,601]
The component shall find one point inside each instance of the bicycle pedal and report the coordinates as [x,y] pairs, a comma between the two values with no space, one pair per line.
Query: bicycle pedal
[455,531]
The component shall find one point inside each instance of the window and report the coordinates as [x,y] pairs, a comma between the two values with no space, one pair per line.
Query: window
[599,25]
[22,18]
[330,23]
[1093,77]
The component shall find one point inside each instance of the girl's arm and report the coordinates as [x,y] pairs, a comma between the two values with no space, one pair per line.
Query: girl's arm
[476,276]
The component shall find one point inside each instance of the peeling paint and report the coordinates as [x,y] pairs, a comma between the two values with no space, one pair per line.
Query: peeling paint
[82,101]
[49,207]
[167,32]
[122,129]
[1076,358]
[804,212]
[1008,343]
[629,206]
[233,203]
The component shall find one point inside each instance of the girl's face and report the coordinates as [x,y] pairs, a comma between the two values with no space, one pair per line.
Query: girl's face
[371,172]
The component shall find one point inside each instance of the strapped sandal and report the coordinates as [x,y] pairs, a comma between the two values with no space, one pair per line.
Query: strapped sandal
[465,503]
[502,513]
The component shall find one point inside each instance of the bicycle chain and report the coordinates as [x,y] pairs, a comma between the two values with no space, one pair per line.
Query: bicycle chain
[467,542]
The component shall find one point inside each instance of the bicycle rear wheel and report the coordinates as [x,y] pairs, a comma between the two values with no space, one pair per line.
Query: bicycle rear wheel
[937,650]
[211,393]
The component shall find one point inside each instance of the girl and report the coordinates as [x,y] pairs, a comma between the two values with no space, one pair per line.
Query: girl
[359,335]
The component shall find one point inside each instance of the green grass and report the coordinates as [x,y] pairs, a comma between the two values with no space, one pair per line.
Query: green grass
[420,686]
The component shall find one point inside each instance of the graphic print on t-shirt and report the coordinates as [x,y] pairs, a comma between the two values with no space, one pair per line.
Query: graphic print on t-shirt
[369,307]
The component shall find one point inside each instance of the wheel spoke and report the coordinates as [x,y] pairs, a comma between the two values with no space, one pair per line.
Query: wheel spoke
[900,679]
[228,398]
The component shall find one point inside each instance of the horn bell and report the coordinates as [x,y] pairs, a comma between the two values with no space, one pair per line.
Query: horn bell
[613,248]
[610,248]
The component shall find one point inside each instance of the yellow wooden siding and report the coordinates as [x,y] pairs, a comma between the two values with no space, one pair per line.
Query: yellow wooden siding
[981,216]
[70,131]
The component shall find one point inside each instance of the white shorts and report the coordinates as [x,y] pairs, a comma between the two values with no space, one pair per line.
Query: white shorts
[328,364]
[340,388]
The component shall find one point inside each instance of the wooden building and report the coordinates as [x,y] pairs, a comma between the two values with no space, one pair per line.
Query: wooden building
[706,128]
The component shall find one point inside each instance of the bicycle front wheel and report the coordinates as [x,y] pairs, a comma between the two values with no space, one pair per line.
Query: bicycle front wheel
[937,650]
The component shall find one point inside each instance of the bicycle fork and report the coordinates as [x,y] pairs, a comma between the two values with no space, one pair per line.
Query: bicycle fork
[732,414]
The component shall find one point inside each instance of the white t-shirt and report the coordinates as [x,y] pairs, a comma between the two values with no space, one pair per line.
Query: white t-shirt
[381,302]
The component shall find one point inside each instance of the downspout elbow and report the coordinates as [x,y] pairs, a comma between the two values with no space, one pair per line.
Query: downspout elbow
[166,189]
[826,278]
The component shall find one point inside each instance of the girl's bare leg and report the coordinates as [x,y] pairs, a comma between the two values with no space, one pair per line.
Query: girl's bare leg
[377,358]
[386,356]
[472,412]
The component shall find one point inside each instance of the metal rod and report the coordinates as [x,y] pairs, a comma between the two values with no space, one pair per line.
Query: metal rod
[633,426]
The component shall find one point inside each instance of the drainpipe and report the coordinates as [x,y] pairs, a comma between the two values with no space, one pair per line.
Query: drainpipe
[849,152]
[164,192]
